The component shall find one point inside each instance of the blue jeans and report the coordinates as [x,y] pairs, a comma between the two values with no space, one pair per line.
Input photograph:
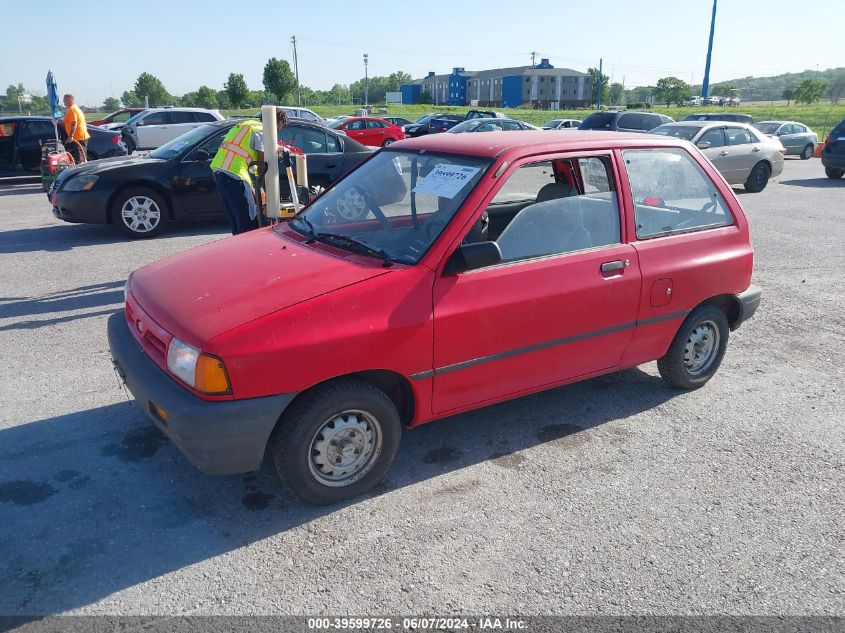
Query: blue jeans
[237,198]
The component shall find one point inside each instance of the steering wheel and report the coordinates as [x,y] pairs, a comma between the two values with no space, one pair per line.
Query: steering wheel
[692,221]
[380,216]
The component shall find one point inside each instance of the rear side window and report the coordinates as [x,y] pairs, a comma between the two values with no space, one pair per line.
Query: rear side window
[672,194]
[182,117]
[205,117]
[7,129]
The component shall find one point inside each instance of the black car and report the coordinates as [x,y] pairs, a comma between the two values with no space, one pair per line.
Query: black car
[175,182]
[833,155]
[720,116]
[443,122]
[21,138]
[624,121]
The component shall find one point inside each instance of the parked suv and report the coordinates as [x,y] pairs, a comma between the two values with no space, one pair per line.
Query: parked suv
[324,337]
[154,127]
[624,121]
[833,156]
[721,116]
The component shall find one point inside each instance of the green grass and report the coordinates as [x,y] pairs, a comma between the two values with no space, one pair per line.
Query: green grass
[820,117]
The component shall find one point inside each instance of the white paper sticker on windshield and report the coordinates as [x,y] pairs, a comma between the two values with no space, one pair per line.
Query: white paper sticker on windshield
[446,180]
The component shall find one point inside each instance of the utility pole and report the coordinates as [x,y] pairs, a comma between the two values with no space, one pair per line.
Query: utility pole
[533,55]
[366,81]
[296,71]
[600,82]
[705,86]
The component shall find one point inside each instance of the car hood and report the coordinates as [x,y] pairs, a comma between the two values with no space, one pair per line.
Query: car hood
[209,290]
[108,164]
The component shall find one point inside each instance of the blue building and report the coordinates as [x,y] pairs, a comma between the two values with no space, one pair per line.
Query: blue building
[542,86]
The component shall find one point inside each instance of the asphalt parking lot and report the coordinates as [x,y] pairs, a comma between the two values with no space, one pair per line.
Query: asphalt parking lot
[613,496]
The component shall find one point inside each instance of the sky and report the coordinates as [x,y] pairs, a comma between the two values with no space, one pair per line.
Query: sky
[188,43]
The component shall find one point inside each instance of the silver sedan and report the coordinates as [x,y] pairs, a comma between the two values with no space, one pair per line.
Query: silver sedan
[742,154]
[797,138]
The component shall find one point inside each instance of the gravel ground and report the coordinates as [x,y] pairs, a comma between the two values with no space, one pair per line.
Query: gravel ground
[613,496]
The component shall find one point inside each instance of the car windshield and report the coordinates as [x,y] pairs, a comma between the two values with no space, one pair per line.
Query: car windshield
[685,132]
[336,124]
[178,145]
[553,123]
[466,126]
[424,119]
[598,121]
[394,206]
[767,128]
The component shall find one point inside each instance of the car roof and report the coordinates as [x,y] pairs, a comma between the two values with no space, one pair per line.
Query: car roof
[179,108]
[778,122]
[493,145]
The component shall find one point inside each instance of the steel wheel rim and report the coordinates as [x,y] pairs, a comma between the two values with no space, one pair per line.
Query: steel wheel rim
[140,214]
[351,205]
[344,448]
[808,152]
[702,348]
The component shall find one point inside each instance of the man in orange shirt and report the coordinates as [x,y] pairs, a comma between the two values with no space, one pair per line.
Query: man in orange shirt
[77,130]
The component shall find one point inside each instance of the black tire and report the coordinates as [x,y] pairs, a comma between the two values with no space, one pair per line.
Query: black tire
[148,218]
[758,178]
[387,142]
[295,443]
[130,144]
[678,366]
[834,172]
[807,153]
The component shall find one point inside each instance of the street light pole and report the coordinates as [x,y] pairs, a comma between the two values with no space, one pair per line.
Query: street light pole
[705,85]
[366,81]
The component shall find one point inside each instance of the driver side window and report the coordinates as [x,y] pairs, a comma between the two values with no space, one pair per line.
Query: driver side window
[672,194]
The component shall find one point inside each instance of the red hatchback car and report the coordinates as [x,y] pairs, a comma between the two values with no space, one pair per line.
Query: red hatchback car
[481,267]
[370,130]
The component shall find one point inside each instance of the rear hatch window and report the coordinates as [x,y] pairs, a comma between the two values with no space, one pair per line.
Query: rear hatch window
[837,138]
[598,121]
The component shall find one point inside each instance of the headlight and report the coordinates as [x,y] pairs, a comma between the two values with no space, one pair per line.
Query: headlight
[203,372]
[80,183]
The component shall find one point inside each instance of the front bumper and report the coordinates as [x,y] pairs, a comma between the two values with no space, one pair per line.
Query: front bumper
[90,207]
[218,437]
[749,301]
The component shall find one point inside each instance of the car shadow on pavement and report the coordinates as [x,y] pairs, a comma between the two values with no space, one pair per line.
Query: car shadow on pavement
[817,183]
[64,237]
[106,295]
[98,501]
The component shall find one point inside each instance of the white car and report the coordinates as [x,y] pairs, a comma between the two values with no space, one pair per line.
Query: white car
[154,127]
[303,113]
[562,124]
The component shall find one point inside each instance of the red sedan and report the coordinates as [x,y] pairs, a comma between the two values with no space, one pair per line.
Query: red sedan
[370,130]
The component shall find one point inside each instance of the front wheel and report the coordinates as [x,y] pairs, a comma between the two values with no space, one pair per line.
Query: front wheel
[697,349]
[833,172]
[807,154]
[139,212]
[758,178]
[336,442]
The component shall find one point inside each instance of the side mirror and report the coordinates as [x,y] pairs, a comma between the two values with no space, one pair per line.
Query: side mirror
[200,155]
[472,256]
[703,145]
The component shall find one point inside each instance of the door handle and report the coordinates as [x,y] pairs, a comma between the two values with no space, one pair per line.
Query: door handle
[607,267]
[332,166]
[723,153]
[756,149]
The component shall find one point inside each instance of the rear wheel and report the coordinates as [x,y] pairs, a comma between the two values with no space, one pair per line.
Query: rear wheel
[807,154]
[833,172]
[697,349]
[337,441]
[140,212]
[387,142]
[130,144]
[758,178]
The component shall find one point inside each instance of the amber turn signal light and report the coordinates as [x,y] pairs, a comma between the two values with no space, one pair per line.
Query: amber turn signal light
[211,377]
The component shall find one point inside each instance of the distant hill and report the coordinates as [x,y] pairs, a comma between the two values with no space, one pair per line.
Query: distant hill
[769,88]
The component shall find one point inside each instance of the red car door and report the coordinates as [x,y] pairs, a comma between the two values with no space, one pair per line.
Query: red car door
[357,129]
[563,303]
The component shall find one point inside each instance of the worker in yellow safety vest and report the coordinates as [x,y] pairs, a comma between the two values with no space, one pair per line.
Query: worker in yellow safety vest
[242,145]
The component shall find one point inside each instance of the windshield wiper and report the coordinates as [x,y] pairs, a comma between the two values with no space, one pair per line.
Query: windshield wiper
[308,227]
[349,241]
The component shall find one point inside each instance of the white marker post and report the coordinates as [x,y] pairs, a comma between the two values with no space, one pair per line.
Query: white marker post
[271,157]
